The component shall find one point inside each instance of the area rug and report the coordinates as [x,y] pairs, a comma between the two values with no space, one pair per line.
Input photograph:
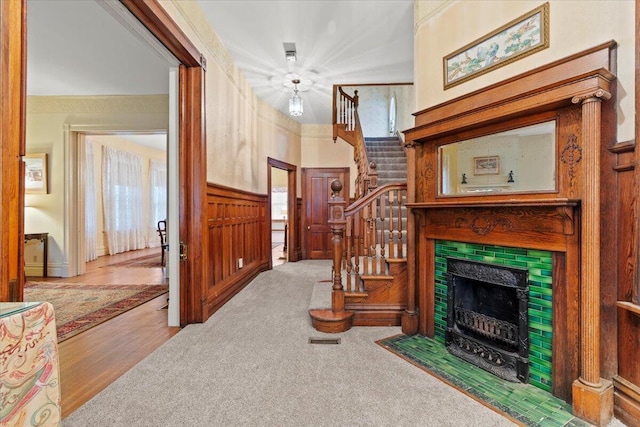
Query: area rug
[146,261]
[524,404]
[79,307]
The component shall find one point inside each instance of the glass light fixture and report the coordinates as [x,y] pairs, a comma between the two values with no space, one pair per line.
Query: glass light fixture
[295,102]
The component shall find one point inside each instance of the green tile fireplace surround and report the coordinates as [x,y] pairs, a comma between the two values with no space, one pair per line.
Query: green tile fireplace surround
[539,266]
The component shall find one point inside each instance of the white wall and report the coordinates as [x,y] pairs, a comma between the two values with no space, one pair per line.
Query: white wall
[574,26]
[373,107]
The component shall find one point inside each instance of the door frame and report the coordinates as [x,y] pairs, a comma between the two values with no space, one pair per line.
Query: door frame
[192,149]
[293,229]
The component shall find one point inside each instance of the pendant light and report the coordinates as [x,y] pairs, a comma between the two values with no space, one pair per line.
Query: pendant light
[295,102]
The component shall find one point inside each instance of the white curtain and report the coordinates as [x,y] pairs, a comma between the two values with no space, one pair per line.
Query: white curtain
[122,200]
[90,219]
[157,199]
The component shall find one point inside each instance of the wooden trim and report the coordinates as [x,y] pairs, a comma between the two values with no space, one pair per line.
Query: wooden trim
[623,147]
[629,306]
[627,401]
[12,146]
[164,28]
[192,148]
[635,297]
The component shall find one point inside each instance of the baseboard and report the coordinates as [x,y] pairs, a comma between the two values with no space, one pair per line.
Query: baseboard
[228,288]
[626,401]
[53,270]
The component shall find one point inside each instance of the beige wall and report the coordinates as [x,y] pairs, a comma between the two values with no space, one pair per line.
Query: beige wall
[574,26]
[319,151]
[242,131]
[47,118]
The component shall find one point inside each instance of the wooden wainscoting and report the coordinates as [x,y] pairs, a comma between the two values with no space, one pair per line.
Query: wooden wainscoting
[625,311]
[238,230]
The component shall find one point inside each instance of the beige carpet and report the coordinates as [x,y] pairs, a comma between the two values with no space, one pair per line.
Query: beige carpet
[251,365]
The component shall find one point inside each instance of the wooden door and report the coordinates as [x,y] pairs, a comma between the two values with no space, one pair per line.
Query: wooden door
[316,191]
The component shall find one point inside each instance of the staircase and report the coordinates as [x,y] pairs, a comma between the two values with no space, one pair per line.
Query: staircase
[370,236]
[390,159]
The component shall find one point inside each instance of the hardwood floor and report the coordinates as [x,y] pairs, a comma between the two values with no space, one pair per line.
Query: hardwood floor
[93,359]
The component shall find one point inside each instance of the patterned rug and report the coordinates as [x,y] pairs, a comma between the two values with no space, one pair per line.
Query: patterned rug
[146,261]
[79,307]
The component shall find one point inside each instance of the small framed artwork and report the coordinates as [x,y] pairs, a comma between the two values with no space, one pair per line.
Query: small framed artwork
[519,38]
[35,170]
[487,165]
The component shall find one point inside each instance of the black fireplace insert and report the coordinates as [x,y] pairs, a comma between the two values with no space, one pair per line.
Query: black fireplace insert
[487,318]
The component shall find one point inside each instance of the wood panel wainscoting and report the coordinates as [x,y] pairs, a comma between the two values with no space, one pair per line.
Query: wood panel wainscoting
[237,230]
[584,223]
[626,311]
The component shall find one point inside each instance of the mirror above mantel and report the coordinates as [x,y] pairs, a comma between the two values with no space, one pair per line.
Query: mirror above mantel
[514,161]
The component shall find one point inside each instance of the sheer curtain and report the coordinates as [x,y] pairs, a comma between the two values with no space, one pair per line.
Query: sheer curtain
[90,219]
[122,199]
[157,199]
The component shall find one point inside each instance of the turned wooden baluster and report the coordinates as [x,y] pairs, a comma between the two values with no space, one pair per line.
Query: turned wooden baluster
[382,243]
[358,242]
[349,255]
[393,243]
[338,224]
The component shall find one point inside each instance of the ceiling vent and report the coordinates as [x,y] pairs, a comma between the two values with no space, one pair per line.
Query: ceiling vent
[290,52]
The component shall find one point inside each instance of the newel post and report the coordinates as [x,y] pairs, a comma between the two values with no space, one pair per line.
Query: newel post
[336,319]
[338,223]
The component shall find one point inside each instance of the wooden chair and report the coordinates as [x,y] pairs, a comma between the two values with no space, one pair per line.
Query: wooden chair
[162,232]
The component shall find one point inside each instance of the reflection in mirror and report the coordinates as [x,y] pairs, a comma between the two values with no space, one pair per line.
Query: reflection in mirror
[515,161]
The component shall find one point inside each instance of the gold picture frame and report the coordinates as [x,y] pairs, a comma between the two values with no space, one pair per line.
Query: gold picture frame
[35,173]
[486,165]
[521,37]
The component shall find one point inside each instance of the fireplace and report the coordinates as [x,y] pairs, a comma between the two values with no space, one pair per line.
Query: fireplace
[487,318]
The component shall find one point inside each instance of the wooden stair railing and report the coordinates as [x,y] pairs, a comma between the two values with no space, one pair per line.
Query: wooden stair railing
[369,243]
[346,125]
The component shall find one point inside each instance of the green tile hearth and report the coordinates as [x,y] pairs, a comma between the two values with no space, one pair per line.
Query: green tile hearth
[539,268]
[523,403]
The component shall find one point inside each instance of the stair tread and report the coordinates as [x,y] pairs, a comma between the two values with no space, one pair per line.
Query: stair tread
[376,277]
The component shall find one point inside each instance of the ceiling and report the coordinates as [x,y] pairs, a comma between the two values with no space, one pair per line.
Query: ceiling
[80,48]
[337,42]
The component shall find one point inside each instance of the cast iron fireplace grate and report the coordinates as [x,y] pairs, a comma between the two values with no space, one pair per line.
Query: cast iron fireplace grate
[487,318]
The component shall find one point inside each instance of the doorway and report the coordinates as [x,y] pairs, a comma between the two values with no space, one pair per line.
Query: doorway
[190,155]
[282,212]
[279,216]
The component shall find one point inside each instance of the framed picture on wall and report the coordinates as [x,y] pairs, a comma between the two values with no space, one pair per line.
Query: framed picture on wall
[519,38]
[487,165]
[35,170]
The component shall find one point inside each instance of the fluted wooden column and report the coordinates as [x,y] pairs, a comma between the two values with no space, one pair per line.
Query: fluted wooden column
[410,315]
[592,395]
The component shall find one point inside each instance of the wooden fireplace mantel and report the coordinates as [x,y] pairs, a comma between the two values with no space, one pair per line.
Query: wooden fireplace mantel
[579,94]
